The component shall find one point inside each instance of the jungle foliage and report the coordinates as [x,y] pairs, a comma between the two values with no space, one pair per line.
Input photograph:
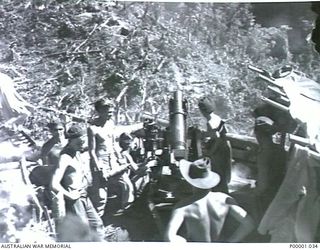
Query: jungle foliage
[66,54]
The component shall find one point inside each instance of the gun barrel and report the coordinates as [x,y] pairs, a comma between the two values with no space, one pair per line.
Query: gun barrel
[275,104]
[253,68]
[277,90]
[270,80]
[177,108]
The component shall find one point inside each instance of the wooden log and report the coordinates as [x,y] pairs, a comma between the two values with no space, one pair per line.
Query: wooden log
[299,140]
[242,141]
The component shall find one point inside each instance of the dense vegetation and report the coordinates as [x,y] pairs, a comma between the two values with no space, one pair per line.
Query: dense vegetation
[66,54]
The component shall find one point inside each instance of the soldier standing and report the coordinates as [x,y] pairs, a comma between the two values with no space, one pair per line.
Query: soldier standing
[218,148]
[105,154]
[72,178]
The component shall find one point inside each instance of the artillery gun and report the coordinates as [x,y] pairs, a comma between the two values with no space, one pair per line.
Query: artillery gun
[293,109]
[293,102]
[170,142]
[286,91]
[167,141]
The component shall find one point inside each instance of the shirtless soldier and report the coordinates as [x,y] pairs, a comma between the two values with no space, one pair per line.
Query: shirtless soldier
[72,178]
[204,212]
[105,155]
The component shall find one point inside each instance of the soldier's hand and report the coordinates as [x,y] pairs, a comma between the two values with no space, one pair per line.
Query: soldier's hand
[74,195]
[106,176]
[151,163]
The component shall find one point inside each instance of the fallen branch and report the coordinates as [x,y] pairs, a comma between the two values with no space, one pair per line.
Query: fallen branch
[82,119]
[86,40]
[67,53]
[156,22]
[159,66]
[48,218]
[200,83]
[19,82]
[113,51]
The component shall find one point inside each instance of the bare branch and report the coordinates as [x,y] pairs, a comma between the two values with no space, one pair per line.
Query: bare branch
[86,40]
[123,91]
[67,53]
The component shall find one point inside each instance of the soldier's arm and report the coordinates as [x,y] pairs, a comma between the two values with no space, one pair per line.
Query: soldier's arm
[246,226]
[117,170]
[176,220]
[44,152]
[229,162]
[92,148]
[263,174]
[133,165]
[127,128]
[58,176]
